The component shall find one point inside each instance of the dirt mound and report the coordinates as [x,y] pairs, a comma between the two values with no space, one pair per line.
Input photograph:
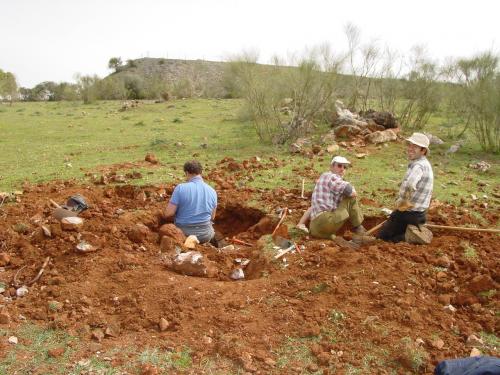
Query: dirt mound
[343,301]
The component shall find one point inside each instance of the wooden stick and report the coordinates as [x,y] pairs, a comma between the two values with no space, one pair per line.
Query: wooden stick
[302,193]
[375,228]
[54,203]
[281,220]
[463,229]
[15,281]
[40,272]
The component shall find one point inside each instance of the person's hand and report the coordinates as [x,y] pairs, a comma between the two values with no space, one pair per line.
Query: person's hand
[354,194]
[403,205]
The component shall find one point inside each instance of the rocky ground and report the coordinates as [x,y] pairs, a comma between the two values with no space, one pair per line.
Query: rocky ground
[381,308]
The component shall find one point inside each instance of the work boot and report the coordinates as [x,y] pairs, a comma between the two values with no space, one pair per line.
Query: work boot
[344,243]
[302,227]
[363,239]
[359,229]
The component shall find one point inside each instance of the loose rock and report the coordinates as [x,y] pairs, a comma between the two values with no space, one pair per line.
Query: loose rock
[55,353]
[4,259]
[163,325]
[13,340]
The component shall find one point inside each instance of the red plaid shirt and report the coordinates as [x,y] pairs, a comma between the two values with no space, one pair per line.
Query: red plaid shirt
[327,193]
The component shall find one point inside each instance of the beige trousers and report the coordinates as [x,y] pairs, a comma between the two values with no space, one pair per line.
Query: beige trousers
[328,223]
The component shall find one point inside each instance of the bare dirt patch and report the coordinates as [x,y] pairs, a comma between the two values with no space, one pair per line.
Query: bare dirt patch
[347,303]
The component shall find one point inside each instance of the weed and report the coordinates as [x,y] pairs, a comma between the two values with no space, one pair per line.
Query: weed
[488,293]
[469,252]
[158,142]
[319,288]
[413,354]
[167,360]
[53,306]
[490,340]
[125,118]
[177,120]
[21,228]
[140,123]
[336,316]
[294,352]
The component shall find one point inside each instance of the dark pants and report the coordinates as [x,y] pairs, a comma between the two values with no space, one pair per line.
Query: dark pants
[395,227]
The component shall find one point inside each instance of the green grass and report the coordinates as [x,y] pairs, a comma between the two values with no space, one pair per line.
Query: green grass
[166,360]
[38,139]
[30,353]
[294,352]
[469,252]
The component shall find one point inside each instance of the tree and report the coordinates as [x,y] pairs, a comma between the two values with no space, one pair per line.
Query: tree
[87,87]
[115,63]
[479,82]
[305,87]
[8,86]
[420,91]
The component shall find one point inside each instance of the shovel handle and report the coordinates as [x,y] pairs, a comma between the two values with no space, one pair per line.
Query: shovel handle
[375,228]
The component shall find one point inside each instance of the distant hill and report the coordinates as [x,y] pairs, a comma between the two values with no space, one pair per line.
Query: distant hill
[178,77]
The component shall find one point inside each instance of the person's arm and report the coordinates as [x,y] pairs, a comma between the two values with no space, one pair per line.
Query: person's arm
[213,214]
[349,191]
[414,177]
[170,210]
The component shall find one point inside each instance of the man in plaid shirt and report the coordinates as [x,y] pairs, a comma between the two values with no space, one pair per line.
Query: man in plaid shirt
[415,191]
[334,202]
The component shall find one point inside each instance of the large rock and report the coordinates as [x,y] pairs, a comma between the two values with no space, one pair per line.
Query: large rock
[481,283]
[170,230]
[193,263]
[386,119]
[381,136]
[71,223]
[138,233]
[347,131]
[418,235]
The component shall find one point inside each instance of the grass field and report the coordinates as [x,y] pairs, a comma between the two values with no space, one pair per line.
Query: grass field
[61,140]
[46,141]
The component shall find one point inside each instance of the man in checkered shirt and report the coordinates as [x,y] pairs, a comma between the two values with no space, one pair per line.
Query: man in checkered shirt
[334,202]
[415,191]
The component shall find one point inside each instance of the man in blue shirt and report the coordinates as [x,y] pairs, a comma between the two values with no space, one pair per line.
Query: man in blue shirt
[193,204]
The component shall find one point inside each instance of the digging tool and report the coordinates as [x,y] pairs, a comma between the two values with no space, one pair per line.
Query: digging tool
[375,228]
[283,252]
[240,242]
[56,205]
[463,229]
[281,220]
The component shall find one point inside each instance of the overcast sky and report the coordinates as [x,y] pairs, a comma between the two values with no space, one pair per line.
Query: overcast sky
[51,40]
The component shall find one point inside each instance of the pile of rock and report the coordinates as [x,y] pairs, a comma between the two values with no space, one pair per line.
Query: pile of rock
[371,126]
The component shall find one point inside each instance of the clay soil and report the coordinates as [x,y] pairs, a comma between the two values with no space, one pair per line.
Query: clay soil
[343,304]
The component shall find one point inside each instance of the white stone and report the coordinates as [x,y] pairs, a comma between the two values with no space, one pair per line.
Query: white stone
[22,291]
[450,308]
[13,340]
[237,274]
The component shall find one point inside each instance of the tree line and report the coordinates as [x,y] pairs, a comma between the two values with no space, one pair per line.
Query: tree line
[286,98]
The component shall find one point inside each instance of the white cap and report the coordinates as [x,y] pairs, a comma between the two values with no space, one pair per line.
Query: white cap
[340,160]
[419,139]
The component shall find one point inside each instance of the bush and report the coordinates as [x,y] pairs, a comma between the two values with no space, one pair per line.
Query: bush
[479,82]
[307,91]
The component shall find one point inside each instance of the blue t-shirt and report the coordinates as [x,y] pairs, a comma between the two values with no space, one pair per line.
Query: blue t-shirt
[195,201]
